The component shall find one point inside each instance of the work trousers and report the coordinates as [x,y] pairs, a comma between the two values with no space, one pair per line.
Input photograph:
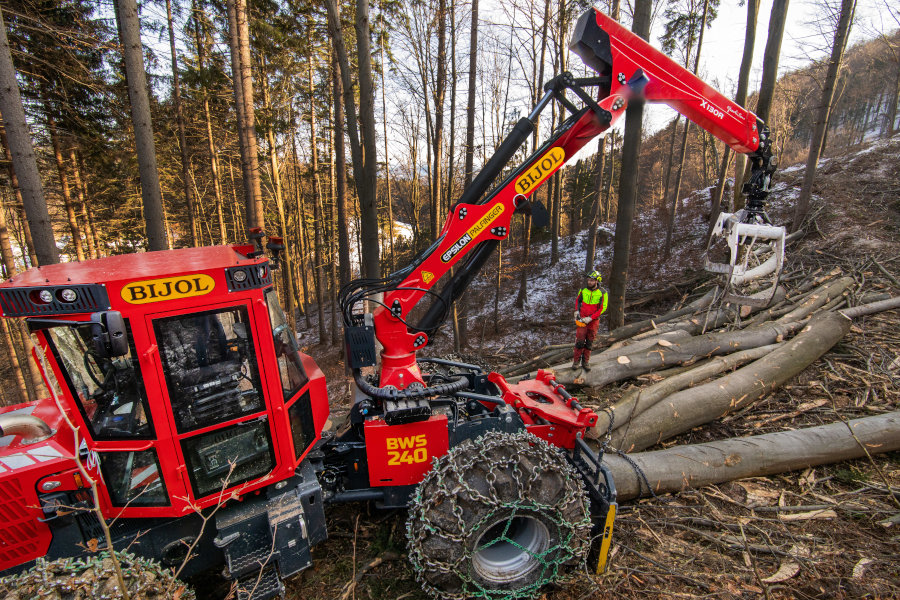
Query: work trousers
[584,340]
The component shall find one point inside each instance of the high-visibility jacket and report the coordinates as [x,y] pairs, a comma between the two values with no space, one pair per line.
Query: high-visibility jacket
[591,303]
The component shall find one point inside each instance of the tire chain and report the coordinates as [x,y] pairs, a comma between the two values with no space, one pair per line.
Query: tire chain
[448,476]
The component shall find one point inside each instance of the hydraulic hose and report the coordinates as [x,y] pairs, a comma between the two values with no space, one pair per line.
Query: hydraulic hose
[444,389]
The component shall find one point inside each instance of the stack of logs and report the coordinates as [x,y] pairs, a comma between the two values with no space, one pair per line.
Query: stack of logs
[709,361]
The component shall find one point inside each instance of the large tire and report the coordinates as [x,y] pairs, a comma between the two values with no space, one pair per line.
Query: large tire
[497,518]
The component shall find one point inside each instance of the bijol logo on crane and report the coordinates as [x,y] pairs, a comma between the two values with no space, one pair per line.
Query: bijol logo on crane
[540,170]
[167,288]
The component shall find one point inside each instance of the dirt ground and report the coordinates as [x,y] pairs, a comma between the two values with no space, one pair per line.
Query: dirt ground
[828,532]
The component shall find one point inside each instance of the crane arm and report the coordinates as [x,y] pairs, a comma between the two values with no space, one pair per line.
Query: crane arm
[628,69]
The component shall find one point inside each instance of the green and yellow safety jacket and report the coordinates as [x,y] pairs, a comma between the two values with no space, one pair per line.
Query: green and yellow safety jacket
[591,303]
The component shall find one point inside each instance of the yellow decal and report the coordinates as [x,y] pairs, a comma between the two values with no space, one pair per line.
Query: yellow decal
[427,276]
[483,223]
[407,450]
[540,170]
[168,288]
[606,539]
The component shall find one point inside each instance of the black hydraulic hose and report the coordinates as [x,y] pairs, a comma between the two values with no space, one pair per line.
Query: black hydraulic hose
[497,162]
[444,389]
[455,286]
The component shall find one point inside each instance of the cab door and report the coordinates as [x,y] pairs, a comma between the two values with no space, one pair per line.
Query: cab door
[210,376]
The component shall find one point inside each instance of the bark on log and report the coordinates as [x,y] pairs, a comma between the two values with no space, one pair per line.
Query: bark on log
[715,319]
[872,308]
[632,329]
[713,344]
[689,408]
[684,467]
[639,400]
[818,299]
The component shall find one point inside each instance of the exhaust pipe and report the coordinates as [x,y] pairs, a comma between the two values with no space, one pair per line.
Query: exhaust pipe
[32,429]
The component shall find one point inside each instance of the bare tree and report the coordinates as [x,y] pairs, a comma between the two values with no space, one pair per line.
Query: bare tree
[841,33]
[22,157]
[64,185]
[182,139]
[631,147]
[242,76]
[709,7]
[133,53]
[367,190]
[340,168]
[777,20]
[740,97]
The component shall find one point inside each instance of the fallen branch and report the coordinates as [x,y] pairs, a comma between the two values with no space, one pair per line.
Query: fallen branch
[685,467]
[351,585]
[872,308]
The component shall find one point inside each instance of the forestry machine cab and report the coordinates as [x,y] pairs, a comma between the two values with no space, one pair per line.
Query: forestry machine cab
[185,425]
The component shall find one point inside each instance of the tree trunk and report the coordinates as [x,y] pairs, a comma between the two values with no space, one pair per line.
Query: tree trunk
[287,292]
[437,137]
[470,100]
[182,139]
[389,201]
[239,37]
[670,160]
[637,400]
[842,32]
[318,271]
[343,60]
[300,220]
[199,29]
[22,157]
[593,220]
[684,139]
[777,20]
[340,168]
[367,192]
[690,467]
[689,408]
[133,53]
[69,205]
[87,221]
[12,349]
[631,147]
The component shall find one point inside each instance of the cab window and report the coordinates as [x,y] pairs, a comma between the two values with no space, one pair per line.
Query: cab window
[210,367]
[134,478]
[109,391]
[290,367]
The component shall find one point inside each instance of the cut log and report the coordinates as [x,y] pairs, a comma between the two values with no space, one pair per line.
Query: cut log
[632,329]
[684,467]
[637,401]
[872,308]
[689,408]
[658,357]
[818,299]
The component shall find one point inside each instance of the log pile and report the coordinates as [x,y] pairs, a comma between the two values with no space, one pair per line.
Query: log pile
[707,363]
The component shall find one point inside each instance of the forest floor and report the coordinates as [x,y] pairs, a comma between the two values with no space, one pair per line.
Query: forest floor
[828,532]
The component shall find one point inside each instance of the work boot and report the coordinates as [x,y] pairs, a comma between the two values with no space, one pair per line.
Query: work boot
[585,364]
[575,365]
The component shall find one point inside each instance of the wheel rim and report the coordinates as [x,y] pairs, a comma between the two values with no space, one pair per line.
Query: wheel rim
[510,549]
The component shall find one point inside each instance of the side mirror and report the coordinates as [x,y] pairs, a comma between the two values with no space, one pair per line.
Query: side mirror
[108,334]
